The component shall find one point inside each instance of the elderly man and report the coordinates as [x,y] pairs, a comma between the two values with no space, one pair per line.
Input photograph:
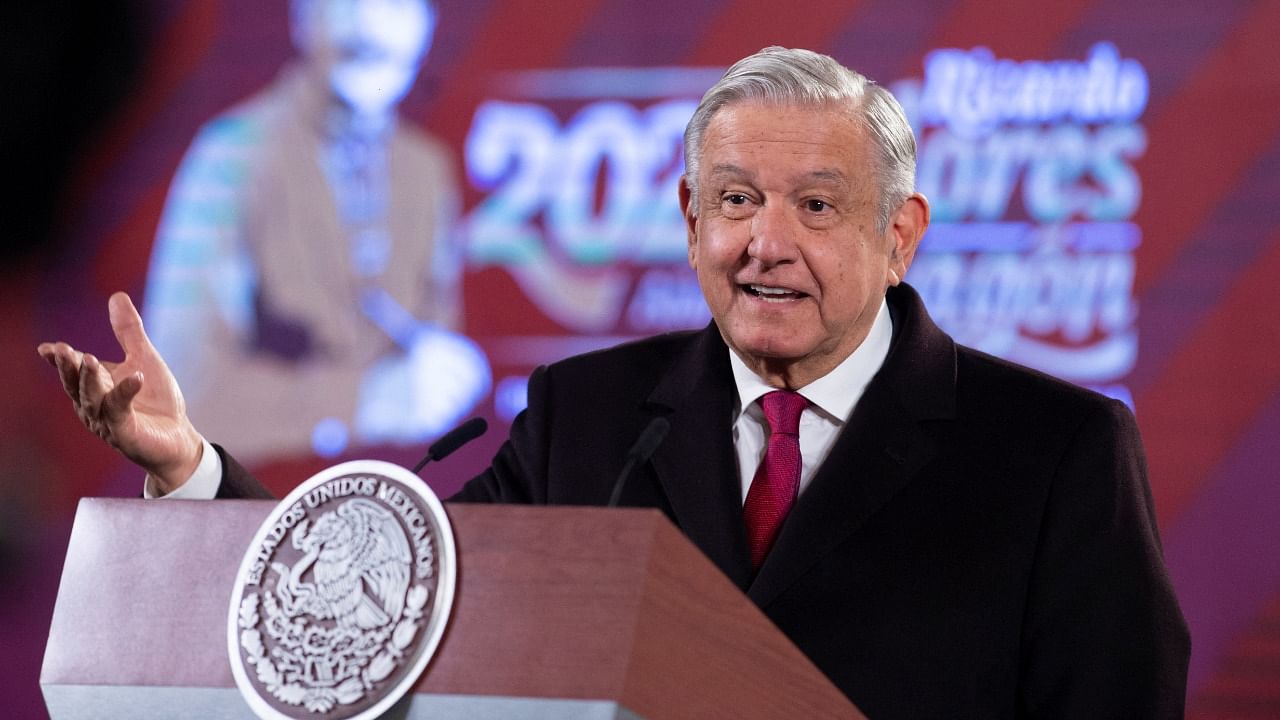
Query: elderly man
[945,534]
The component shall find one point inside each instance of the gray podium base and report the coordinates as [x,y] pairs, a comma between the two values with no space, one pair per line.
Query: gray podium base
[103,702]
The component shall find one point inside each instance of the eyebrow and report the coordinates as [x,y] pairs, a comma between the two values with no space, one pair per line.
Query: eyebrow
[826,177]
[829,177]
[729,171]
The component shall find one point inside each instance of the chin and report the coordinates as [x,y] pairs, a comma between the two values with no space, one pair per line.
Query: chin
[767,346]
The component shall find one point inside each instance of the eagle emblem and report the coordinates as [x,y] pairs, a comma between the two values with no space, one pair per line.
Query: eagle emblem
[343,595]
[359,560]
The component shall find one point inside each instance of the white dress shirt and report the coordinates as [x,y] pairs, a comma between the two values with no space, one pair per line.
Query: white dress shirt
[203,483]
[831,397]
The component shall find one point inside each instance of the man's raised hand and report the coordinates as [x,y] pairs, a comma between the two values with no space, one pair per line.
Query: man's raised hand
[135,405]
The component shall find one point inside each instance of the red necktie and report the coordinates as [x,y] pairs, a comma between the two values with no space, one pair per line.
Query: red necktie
[774,487]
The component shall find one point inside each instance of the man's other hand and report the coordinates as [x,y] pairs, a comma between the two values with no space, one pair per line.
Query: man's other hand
[135,405]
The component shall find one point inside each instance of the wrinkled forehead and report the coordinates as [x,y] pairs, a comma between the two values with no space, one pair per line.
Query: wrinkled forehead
[834,177]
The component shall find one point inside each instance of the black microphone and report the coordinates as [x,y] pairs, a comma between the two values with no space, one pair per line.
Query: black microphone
[452,440]
[649,440]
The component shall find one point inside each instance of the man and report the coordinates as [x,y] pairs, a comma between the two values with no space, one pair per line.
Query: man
[304,262]
[945,534]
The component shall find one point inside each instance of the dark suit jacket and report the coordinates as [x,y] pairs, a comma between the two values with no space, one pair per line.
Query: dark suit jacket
[980,542]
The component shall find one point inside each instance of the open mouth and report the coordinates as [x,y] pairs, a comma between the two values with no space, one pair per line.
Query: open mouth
[774,294]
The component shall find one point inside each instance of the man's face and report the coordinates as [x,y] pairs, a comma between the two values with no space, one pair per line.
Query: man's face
[367,50]
[784,240]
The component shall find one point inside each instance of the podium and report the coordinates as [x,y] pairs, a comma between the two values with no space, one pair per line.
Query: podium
[560,612]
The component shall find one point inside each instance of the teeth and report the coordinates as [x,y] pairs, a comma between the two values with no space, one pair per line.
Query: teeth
[765,290]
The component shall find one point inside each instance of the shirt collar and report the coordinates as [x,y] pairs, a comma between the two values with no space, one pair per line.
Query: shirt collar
[835,393]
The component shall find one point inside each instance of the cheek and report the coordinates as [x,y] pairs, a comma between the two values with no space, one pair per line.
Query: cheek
[709,248]
[846,278]
[832,270]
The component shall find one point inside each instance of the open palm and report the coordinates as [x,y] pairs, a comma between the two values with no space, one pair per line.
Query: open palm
[135,405]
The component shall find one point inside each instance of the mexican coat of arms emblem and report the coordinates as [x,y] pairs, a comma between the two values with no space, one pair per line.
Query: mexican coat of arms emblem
[343,595]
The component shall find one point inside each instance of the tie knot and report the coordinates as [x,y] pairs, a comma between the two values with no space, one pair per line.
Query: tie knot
[782,409]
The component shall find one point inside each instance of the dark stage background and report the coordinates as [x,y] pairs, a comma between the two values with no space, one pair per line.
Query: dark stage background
[1127,239]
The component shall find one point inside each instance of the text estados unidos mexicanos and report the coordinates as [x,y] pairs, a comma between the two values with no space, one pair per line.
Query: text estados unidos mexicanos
[419,528]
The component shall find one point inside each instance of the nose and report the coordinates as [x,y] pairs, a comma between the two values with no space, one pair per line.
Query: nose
[773,236]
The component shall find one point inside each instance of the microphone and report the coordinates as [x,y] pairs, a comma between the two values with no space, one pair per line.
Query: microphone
[649,440]
[452,440]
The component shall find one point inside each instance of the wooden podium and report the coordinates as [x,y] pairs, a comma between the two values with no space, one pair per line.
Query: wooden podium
[560,613]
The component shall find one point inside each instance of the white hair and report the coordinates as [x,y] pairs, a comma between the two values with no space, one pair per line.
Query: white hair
[785,76]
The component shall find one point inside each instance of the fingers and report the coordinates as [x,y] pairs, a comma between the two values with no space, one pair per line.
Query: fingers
[103,404]
[45,351]
[116,403]
[94,385]
[127,325]
[69,372]
[67,361]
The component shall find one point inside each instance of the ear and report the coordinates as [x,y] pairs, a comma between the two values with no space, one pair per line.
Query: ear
[690,211]
[906,227]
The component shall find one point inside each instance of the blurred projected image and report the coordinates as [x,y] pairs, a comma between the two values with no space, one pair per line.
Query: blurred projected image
[304,283]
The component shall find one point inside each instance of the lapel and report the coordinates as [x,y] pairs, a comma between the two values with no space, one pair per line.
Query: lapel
[696,465]
[882,447]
